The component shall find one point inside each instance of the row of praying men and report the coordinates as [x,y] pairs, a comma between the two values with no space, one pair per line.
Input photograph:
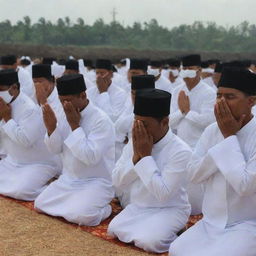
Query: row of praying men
[165,150]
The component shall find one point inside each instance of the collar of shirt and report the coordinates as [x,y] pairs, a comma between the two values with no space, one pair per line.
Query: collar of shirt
[247,129]
[15,103]
[87,112]
[195,89]
[161,143]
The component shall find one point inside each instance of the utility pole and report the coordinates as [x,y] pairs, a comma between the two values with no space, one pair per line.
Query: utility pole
[114,13]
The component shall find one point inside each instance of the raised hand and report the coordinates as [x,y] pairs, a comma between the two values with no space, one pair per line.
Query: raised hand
[228,125]
[183,102]
[5,110]
[142,141]
[50,119]
[41,93]
[103,82]
[73,115]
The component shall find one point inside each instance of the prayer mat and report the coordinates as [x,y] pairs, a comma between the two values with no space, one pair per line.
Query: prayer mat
[101,230]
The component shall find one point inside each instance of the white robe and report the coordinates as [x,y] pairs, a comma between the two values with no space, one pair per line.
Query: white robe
[209,81]
[82,194]
[123,127]
[28,165]
[163,83]
[111,102]
[189,127]
[153,194]
[26,82]
[227,167]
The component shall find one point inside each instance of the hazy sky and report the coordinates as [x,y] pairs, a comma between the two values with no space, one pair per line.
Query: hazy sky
[169,13]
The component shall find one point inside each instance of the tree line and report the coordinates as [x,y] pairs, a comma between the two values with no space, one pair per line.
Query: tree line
[199,36]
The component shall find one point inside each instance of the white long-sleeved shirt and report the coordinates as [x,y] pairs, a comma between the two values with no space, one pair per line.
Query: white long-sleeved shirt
[26,82]
[22,137]
[157,180]
[209,81]
[227,167]
[111,102]
[163,83]
[89,151]
[189,127]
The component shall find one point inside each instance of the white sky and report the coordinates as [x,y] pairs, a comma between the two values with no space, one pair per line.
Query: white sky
[169,13]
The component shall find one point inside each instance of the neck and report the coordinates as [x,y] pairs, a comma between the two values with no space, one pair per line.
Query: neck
[15,97]
[162,135]
[247,120]
[84,106]
[191,83]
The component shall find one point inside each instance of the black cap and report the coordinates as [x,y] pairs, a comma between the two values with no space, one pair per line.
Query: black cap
[205,64]
[191,60]
[71,84]
[8,77]
[25,62]
[173,62]
[238,78]
[72,65]
[218,68]
[103,64]
[156,63]
[48,61]
[141,64]
[41,70]
[88,63]
[8,60]
[152,102]
[143,82]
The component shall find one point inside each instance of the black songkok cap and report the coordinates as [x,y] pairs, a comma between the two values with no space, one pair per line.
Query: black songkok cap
[8,77]
[213,61]
[156,63]
[72,64]
[173,63]
[238,78]
[41,70]
[143,82]
[218,68]
[123,61]
[88,63]
[104,64]
[71,84]
[8,60]
[139,64]
[152,102]
[191,60]
[25,62]
[48,61]
[205,64]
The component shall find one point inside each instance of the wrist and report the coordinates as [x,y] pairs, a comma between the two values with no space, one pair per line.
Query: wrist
[74,126]
[7,118]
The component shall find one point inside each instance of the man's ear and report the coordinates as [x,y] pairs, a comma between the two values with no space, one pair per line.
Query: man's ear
[252,100]
[165,121]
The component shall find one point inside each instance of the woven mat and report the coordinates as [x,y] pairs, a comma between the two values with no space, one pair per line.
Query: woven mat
[101,230]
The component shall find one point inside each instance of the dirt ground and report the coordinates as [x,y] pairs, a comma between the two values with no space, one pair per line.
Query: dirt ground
[25,233]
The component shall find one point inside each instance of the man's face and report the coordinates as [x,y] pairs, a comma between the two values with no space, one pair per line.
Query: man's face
[198,72]
[76,100]
[154,127]
[135,72]
[238,102]
[108,74]
[42,83]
